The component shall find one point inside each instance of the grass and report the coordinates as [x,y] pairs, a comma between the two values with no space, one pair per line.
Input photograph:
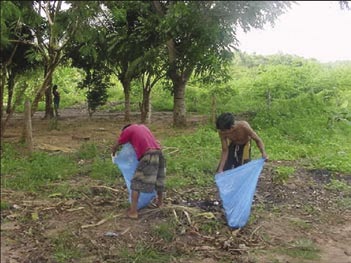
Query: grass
[165,231]
[189,167]
[66,190]
[300,223]
[104,170]
[345,203]
[339,185]
[143,253]
[30,172]
[195,165]
[4,205]
[299,128]
[210,227]
[282,173]
[65,247]
[301,249]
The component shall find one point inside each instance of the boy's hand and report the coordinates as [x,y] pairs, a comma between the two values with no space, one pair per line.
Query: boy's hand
[265,157]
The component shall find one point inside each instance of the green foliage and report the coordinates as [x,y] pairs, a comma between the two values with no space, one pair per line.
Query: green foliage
[67,78]
[307,117]
[161,99]
[9,12]
[96,84]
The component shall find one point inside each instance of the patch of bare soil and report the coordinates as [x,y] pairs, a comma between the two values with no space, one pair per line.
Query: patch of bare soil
[286,217]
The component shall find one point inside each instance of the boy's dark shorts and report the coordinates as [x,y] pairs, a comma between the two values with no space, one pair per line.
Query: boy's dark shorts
[150,172]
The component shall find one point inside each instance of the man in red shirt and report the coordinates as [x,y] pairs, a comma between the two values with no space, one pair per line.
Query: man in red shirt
[151,170]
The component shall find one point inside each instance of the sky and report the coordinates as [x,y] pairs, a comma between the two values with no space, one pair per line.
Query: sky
[310,29]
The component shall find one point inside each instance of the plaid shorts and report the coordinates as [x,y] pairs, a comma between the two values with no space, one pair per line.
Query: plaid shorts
[150,173]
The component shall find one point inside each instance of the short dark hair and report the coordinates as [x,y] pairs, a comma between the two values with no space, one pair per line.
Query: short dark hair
[225,121]
[126,126]
[55,86]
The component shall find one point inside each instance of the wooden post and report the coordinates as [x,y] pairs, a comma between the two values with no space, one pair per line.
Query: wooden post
[28,125]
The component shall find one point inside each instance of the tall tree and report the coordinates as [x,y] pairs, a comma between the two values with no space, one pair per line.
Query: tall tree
[153,69]
[53,24]
[89,52]
[201,36]
[53,32]
[14,57]
[132,40]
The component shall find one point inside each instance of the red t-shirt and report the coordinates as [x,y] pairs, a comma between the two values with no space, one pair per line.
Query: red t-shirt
[140,137]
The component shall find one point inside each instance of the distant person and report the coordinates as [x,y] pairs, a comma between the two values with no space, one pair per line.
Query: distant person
[151,170]
[56,99]
[236,138]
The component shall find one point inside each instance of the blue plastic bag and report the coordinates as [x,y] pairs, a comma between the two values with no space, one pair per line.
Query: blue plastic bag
[127,162]
[236,189]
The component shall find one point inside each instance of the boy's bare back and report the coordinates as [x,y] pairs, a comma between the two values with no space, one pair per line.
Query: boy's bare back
[240,133]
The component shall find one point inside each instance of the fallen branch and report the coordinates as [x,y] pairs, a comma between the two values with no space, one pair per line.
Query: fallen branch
[97,224]
[105,187]
[187,217]
[75,209]
[253,232]
[174,150]
[191,210]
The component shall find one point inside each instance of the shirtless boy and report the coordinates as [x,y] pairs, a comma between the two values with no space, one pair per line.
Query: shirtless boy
[235,138]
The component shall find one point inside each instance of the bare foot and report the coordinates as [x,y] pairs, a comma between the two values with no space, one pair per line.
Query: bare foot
[132,215]
[158,203]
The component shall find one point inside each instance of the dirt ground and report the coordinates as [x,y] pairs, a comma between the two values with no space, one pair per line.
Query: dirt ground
[286,218]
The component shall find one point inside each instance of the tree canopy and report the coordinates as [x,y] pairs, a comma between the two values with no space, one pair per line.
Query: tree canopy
[171,39]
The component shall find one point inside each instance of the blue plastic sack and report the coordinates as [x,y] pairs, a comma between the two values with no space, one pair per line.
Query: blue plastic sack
[236,189]
[127,162]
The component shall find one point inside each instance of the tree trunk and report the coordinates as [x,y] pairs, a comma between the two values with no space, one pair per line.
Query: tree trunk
[148,115]
[179,109]
[10,88]
[43,88]
[49,111]
[28,126]
[145,106]
[19,96]
[5,65]
[2,86]
[126,90]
